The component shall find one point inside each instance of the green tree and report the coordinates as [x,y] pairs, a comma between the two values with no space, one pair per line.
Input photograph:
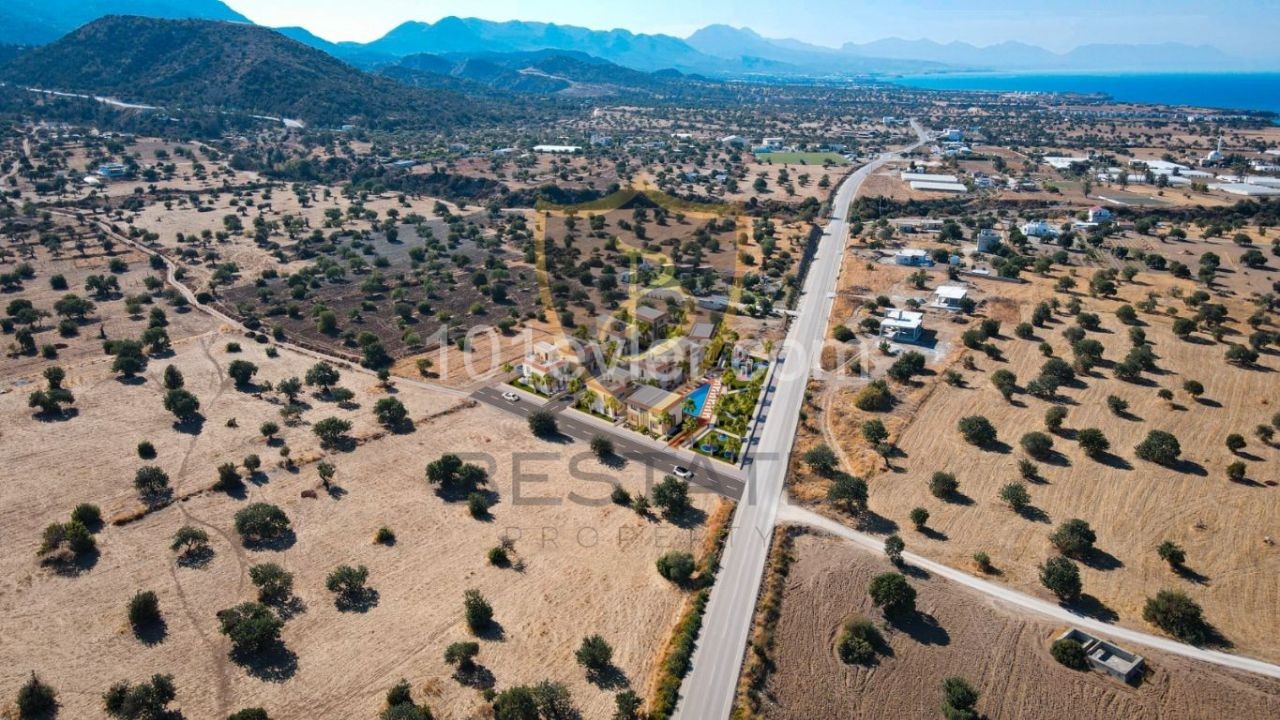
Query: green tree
[1178,615]
[958,699]
[1015,496]
[543,424]
[676,566]
[144,701]
[274,583]
[331,431]
[821,459]
[977,430]
[347,583]
[594,654]
[36,700]
[261,523]
[252,628]
[242,372]
[1159,447]
[943,485]
[848,491]
[1172,553]
[477,611]
[144,611]
[1062,577]
[1074,538]
[892,593]
[1069,653]
[672,495]
[390,412]
[1093,442]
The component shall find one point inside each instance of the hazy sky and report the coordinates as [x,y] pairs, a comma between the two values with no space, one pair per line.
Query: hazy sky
[1240,27]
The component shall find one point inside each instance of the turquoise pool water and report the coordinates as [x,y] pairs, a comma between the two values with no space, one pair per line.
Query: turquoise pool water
[699,398]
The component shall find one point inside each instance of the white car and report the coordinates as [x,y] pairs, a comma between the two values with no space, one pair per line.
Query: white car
[682,472]
[510,396]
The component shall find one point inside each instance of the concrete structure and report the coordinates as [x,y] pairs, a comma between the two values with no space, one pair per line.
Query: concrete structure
[988,240]
[1215,156]
[902,325]
[1064,163]
[939,187]
[1246,189]
[734,140]
[773,143]
[113,171]
[912,257]
[1110,659]
[928,177]
[1099,214]
[557,149]
[1039,229]
[949,297]
[654,410]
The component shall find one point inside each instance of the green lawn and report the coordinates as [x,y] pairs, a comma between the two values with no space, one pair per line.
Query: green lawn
[801,158]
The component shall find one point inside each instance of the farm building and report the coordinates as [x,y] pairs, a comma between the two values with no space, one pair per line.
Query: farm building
[1104,656]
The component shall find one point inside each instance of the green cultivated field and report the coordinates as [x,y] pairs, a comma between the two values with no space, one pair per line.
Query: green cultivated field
[802,158]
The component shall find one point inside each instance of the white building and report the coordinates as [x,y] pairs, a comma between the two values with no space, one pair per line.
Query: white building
[902,325]
[912,257]
[774,143]
[950,187]
[734,140]
[558,149]
[949,297]
[1039,229]
[988,240]
[1099,214]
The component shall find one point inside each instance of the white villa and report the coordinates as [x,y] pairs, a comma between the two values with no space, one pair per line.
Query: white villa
[949,297]
[902,325]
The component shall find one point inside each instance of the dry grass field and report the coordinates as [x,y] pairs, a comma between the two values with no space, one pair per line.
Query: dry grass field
[1133,505]
[584,564]
[1004,655]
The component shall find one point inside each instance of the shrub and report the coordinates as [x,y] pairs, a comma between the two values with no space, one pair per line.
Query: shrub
[1237,471]
[249,714]
[251,627]
[919,517]
[822,460]
[347,583]
[144,701]
[274,583]
[943,485]
[261,523]
[151,481]
[1172,553]
[594,654]
[1074,538]
[620,496]
[602,447]
[543,424]
[1069,653]
[477,611]
[87,514]
[384,536]
[1015,496]
[676,566]
[892,593]
[1159,447]
[858,642]
[958,699]
[977,430]
[36,700]
[672,495]
[146,450]
[1093,442]
[849,491]
[1054,417]
[1062,577]
[874,397]
[331,431]
[893,547]
[144,610]
[1037,444]
[1178,615]
[1236,442]
[983,561]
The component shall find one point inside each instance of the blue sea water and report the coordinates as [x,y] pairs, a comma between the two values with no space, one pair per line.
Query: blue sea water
[1228,91]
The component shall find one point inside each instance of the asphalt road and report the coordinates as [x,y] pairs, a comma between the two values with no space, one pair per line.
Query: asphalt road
[709,475]
[800,516]
[708,690]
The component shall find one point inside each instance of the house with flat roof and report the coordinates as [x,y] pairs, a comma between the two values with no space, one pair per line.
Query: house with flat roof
[902,325]
[1110,659]
[912,257]
[656,318]
[652,409]
[113,171]
[949,297]
[547,370]
[988,240]
[1099,214]
[1039,229]
[606,394]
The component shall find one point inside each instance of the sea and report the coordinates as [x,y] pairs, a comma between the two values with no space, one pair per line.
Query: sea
[1224,91]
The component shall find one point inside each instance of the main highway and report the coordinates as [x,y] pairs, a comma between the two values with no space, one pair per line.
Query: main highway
[708,690]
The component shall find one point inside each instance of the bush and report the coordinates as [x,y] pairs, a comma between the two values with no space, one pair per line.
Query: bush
[261,523]
[672,495]
[858,642]
[1074,538]
[842,333]
[1054,417]
[594,654]
[347,583]
[1093,442]
[1237,471]
[249,714]
[892,593]
[874,397]
[849,491]
[1037,444]
[274,583]
[1178,615]
[498,556]
[620,496]
[1015,496]
[1159,447]
[144,610]
[144,701]
[543,424]
[477,611]
[251,627]
[390,412]
[151,481]
[977,430]
[1062,578]
[958,699]
[676,566]
[943,485]
[1172,553]
[36,700]
[1069,653]
[1236,442]
[1117,405]
[822,460]
[146,450]
[919,517]
[384,536]
[86,514]
[602,447]
[331,431]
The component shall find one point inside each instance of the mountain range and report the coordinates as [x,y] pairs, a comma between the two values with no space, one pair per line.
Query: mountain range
[230,67]
[37,22]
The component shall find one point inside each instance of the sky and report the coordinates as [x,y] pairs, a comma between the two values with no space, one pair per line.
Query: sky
[1239,27]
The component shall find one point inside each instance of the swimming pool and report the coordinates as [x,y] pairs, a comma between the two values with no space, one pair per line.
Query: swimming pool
[699,398]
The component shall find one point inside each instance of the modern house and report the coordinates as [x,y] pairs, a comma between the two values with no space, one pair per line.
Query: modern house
[949,297]
[1102,655]
[902,325]
[733,140]
[912,257]
[1099,214]
[988,240]
[557,149]
[655,318]
[606,393]
[652,409]
[547,370]
[1039,229]
[113,171]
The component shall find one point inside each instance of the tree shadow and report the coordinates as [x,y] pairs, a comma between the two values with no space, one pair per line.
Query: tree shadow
[934,534]
[193,425]
[913,571]
[1112,461]
[336,491]
[1033,513]
[998,446]
[686,518]
[1191,575]
[492,631]
[1099,559]
[957,498]
[477,676]
[132,380]
[1208,402]
[871,522]
[67,564]
[609,678]
[404,427]
[361,601]
[275,664]
[1091,607]
[197,558]
[57,417]
[282,542]
[152,633]
[288,608]
[921,627]
[614,461]
[1189,467]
